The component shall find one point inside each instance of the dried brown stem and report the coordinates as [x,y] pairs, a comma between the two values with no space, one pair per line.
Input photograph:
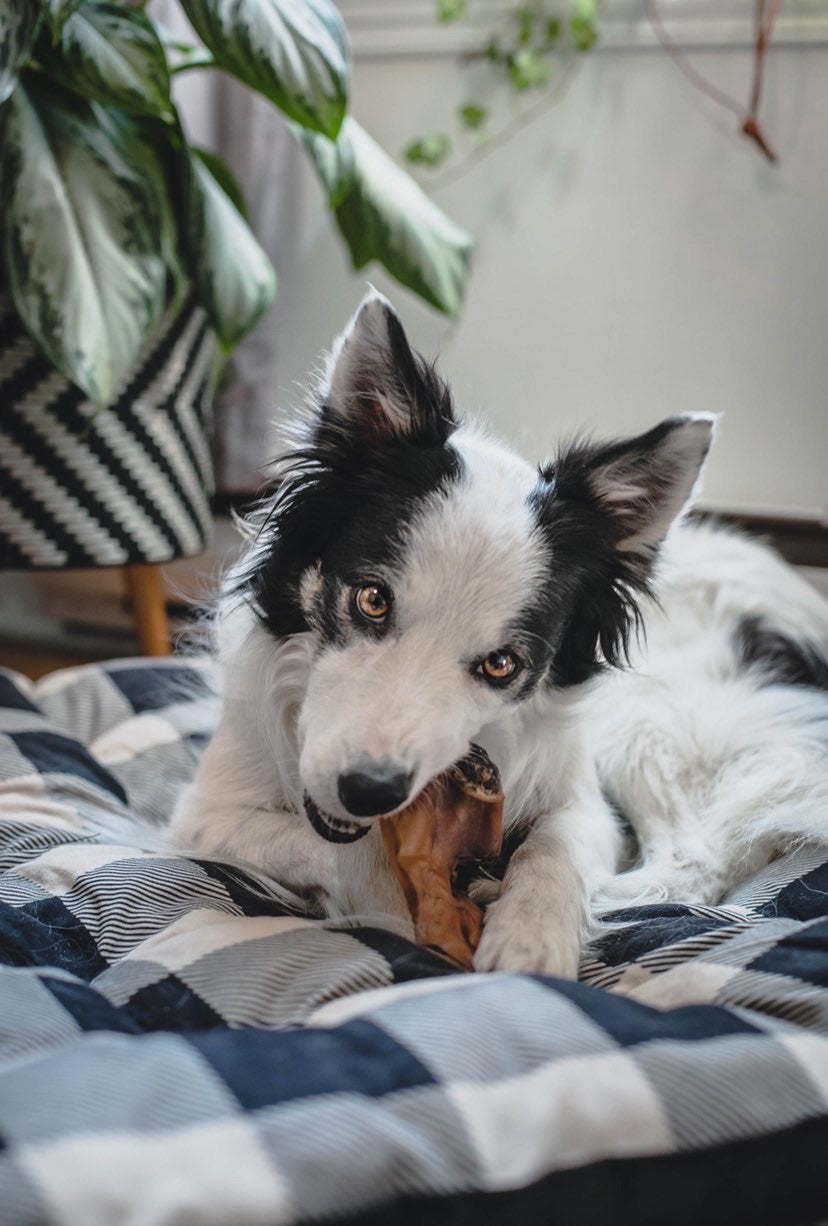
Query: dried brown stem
[766,15]
[767,12]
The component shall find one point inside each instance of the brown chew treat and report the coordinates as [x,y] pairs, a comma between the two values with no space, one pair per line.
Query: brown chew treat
[457,817]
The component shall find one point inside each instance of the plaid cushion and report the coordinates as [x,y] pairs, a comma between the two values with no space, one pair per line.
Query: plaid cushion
[177,1047]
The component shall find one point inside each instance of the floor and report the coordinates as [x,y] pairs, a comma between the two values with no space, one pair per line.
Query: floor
[63,618]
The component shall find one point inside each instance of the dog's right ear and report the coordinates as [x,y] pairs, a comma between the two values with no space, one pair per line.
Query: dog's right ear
[378,389]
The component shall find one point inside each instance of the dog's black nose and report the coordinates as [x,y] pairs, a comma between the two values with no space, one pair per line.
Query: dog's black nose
[373,788]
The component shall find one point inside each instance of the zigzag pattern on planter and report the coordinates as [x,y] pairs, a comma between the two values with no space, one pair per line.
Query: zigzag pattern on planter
[127,484]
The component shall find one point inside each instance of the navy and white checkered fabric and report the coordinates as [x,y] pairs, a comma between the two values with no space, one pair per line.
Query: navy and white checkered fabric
[176,1048]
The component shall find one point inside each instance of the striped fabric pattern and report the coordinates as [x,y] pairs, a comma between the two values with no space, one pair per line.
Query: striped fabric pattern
[128,484]
[177,1045]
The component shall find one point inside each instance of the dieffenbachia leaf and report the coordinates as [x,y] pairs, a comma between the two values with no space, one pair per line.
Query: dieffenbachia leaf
[224,176]
[19,20]
[383,215]
[295,54]
[57,11]
[234,279]
[154,155]
[113,55]
[82,233]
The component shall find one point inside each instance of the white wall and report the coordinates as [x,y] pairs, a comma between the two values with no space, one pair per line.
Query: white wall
[636,258]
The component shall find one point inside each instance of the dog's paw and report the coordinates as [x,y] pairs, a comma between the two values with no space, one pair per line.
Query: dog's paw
[485,891]
[516,939]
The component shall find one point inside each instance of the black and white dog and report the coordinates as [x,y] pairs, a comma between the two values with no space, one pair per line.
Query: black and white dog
[411,586]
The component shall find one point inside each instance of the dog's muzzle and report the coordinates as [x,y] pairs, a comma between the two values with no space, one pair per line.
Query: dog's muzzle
[333,828]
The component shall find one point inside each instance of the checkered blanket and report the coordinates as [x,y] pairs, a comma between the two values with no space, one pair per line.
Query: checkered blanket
[177,1048]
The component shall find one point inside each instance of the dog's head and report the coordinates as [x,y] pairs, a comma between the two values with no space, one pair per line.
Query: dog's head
[443,579]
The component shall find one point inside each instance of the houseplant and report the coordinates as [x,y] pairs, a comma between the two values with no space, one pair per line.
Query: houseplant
[533,46]
[113,226]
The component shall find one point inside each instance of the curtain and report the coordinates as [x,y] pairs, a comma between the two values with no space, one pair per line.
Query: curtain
[248,132]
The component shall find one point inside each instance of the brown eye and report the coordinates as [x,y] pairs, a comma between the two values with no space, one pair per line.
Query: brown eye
[499,666]
[373,601]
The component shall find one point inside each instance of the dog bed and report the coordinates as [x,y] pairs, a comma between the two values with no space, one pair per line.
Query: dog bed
[176,1047]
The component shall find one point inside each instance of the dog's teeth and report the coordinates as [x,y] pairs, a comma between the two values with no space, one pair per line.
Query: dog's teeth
[333,828]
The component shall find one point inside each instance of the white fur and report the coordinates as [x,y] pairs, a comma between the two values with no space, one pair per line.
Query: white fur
[716,773]
[469,551]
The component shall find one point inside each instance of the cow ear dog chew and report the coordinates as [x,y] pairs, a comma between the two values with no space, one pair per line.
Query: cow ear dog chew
[457,817]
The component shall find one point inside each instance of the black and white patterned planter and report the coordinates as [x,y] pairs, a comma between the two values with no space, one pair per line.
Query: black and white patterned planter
[114,487]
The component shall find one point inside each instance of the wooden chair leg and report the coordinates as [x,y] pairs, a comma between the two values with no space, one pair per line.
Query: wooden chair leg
[145,589]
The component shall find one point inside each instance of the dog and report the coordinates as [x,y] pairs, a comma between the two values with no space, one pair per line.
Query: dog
[410,585]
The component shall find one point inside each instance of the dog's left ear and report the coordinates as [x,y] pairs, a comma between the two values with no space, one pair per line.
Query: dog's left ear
[610,508]
[378,388]
[643,484]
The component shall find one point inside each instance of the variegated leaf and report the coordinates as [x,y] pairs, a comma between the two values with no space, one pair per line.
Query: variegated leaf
[57,11]
[81,236]
[383,215]
[112,55]
[233,277]
[154,155]
[224,176]
[19,20]
[296,54]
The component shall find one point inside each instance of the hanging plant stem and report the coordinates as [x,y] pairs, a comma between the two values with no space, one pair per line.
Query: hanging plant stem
[766,13]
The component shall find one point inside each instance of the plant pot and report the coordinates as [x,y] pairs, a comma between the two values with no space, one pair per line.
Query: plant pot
[128,484]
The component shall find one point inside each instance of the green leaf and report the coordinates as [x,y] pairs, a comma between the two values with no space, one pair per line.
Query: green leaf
[295,54]
[587,9]
[582,29]
[57,11]
[473,116]
[234,279]
[225,178]
[383,215]
[526,17]
[450,10]
[582,32]
[19,20]
[552,30]
[81,233]
[428,150]
[527,69]
[494,53]
[112,55]
[155,154]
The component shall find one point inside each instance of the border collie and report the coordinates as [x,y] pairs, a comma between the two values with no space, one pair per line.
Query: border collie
[411,585]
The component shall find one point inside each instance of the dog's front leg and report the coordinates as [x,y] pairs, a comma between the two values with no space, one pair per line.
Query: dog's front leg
[363,888]
[541,920]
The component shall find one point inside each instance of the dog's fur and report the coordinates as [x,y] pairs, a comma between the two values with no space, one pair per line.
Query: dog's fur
[711,742]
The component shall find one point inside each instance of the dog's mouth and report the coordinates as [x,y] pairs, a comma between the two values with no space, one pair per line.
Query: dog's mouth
[334,829]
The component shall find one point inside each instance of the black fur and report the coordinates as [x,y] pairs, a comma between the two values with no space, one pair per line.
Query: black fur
[590,609]
[778,659]
[380,444]
[592,589]
[345,498]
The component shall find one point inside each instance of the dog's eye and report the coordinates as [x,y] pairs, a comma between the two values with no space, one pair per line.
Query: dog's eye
[373,601]
[498,667]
